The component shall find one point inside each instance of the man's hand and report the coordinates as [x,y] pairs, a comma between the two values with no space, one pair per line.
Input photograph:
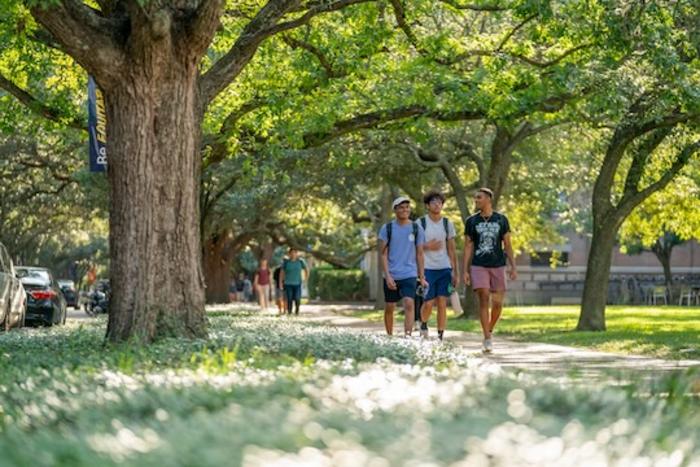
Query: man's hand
[513,274]
[390,283]
[467,279]
[423,282]
[433,245]
[455,279]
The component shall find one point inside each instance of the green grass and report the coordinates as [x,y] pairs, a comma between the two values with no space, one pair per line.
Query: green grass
[264,390]
[663,331]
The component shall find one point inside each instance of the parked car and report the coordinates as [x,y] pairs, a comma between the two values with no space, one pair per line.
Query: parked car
[13,299]
[45,302]
[69,293]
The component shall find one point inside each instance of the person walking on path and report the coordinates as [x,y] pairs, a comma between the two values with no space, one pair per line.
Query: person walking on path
[261,283]
[486,236]
[232,292]
[441,269]
[240,287]
[293,274]
[279,290]
[402,261]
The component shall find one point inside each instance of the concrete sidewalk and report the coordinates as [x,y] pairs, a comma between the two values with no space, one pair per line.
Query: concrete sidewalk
[515,355]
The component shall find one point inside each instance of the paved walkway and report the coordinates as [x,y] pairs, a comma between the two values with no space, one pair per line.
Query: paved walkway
[515,355]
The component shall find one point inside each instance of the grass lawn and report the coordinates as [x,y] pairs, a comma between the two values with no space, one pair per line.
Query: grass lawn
[663,331]
[264,390]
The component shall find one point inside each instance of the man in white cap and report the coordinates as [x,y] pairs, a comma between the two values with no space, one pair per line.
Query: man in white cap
[402,261]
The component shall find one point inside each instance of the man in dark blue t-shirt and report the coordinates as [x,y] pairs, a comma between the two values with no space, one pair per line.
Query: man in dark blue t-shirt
[486,235]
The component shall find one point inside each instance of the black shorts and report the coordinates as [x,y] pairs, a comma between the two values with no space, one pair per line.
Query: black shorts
[405,288]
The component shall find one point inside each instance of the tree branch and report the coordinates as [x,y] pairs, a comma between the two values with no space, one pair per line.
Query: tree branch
[219,149]
[512,32]
[86,36]
[203,26]
[263,25]
[374,119]
[38,107]
[628,203]
[474,7]
[641,155]
[316,52]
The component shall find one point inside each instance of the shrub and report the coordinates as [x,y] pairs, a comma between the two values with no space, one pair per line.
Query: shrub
[338,284]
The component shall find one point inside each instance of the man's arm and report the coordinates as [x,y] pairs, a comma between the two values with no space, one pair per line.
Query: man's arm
[513,273]
[452,253]
[305,272]
[255,280]
[468,251]
[385,265]
[420,259]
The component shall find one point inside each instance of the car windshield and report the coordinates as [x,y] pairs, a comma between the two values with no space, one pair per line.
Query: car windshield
[38,273]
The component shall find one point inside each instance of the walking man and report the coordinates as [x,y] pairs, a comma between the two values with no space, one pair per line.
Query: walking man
[441,270]
[486,235]
[292,275]
[401,243]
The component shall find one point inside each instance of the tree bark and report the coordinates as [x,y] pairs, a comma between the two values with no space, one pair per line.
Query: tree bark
[156,273]
[663,249]
[217,270]
[595,290]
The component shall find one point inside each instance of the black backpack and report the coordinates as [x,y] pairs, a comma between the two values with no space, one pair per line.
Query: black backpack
[445,224]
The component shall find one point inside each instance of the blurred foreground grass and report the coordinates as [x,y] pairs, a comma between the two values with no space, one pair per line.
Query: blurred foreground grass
[275,391]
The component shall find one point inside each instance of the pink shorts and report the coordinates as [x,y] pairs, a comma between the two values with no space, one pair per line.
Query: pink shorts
[493,279]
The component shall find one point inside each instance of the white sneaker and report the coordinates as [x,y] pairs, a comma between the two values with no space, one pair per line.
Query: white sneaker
[416,325]
[488,346]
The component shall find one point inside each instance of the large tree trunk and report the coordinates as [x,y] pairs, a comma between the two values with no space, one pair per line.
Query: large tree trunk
[217,270]
[595,290]
[156,271]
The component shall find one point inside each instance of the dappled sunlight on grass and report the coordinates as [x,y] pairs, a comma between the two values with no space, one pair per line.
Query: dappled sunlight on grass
[669,332]
[664,331]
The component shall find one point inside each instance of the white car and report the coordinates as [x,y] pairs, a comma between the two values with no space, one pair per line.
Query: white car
[13,298]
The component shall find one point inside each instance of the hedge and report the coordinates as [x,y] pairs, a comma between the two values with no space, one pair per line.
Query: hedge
[338,284]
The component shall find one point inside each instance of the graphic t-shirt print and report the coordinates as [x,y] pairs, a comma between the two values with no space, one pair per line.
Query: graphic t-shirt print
[488,238]
[487,235]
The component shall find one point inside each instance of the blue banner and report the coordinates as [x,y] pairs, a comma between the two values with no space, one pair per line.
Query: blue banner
[97,127]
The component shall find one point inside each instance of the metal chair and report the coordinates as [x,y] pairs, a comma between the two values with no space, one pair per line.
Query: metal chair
[688,295]
[659,292]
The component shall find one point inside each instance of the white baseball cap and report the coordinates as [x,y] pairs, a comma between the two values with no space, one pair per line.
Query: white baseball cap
[399,200]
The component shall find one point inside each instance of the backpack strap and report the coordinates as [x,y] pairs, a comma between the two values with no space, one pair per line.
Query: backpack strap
[445,225]
[388,235]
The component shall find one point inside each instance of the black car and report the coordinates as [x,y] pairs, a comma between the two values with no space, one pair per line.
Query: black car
[45,302]
[69,293]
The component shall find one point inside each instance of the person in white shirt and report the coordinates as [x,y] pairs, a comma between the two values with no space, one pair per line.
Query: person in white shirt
[441,270]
